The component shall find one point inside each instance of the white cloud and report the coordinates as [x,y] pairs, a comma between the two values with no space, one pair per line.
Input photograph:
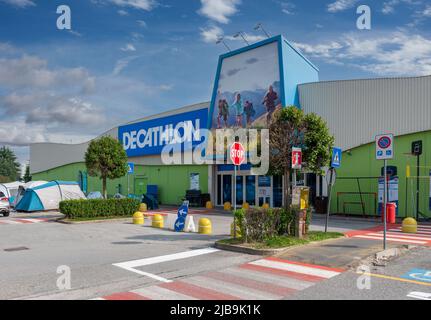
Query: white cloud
[33,72]
[219,10]
[341,5]
[287,7]
[128,47]
[211,34]
[389,6]
[123,13]
[142,23]
[122,64]
[146,5]
[392,54]
[20,3]
[427,11]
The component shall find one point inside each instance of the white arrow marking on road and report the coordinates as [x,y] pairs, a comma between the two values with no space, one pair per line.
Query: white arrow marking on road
[131,265]
[420,295]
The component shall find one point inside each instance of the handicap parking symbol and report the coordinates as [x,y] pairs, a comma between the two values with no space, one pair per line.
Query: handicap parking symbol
[418,275]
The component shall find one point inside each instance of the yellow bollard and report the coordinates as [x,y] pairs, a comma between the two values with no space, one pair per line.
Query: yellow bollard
[138,218]
[209,205]
[265,206]
[410,226]
[205,226]
[143,207]
[238,231]
[158,221]
[246,206]
[227,206]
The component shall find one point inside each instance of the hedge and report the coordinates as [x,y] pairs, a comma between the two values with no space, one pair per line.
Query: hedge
[262,224]
[99,208]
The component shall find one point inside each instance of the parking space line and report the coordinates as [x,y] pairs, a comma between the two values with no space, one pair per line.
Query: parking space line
[395,278]
[420,295]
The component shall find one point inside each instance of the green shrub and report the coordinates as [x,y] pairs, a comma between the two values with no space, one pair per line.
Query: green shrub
[99,208]
[258,225]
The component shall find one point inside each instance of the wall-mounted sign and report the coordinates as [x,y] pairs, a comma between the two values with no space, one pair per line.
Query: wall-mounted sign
[149,137]
[194,181]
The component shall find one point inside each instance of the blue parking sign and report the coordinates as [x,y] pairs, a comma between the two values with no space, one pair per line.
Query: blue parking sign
[131,167]
[336,157]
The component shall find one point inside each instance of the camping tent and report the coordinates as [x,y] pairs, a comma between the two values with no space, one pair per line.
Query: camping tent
[47,196]
[23,188]
[10,190]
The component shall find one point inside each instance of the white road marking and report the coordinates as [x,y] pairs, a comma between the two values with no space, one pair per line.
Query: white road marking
[400,236]
[132,265]
[296,268]
[419,232]
[390,239]
[420,295]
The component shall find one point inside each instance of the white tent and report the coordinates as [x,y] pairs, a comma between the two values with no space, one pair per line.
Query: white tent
[22,188]
[47,196]
[10,190]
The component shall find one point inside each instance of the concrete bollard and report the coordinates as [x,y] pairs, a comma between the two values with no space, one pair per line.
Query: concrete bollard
[227,206]
[143,207]
[138,218]
[158,221]
[410,225]
[205,226]
[246,206]
[265,206]
[209,205]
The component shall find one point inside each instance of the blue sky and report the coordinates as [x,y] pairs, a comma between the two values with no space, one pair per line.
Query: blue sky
[126,59]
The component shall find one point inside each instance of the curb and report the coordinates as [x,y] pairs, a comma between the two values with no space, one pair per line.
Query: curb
[268,252]
[93,221]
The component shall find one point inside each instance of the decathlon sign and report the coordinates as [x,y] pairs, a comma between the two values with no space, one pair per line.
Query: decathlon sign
[149,137]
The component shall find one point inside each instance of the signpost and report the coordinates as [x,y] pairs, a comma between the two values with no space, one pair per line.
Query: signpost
[182,216]
[417,151]
[237,155]
[130,171]
[337,154]
[385,152]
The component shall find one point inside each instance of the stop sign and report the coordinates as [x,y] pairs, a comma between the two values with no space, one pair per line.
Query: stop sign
[237,154]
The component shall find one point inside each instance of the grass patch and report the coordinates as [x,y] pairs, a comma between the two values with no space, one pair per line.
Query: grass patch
[285,241]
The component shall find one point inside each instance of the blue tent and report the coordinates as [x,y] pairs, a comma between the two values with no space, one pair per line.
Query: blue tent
[47,196]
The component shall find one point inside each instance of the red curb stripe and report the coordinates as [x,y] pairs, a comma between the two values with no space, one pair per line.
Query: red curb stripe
[23,221]
[284,273]
[125,296]
[197,292]
[305,264]
[353,233]
[252,284]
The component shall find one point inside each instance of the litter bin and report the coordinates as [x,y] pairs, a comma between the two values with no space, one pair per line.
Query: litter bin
[321,205]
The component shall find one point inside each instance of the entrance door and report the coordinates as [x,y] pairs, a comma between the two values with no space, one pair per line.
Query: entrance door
[265,190]
[141,186]
[239,190]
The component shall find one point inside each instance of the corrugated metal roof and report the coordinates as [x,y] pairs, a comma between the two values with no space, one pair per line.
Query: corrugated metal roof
[357,110]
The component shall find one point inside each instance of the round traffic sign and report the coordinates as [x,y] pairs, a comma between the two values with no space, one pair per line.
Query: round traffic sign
[384,142]
[237,154]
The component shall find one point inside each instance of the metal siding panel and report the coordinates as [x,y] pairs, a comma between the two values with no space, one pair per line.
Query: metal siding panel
[357,110]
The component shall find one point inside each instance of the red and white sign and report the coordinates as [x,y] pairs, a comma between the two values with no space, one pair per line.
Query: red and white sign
[296,158]
[237,154]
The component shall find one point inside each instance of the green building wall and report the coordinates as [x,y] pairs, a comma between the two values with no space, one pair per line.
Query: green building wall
[361,162]
[173,181]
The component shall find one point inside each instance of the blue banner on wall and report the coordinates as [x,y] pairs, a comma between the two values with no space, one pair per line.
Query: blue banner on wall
[150,137]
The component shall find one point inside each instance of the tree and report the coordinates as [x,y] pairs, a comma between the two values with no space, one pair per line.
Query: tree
[290,128]
[106,158]
[9,166]
[27,176]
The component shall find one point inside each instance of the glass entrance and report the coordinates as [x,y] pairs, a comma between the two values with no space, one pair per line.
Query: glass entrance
[239,190]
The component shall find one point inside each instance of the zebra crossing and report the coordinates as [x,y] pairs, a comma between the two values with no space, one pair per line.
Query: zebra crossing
[266,279]
[395,234]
